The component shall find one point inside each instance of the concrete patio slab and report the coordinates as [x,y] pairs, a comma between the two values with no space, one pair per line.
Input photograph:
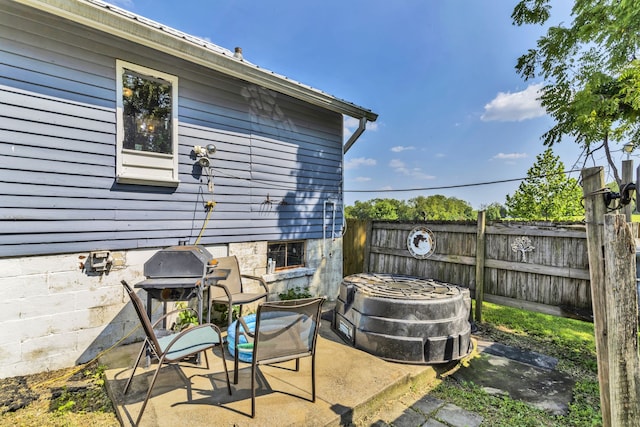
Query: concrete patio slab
[353,388]
[349,384]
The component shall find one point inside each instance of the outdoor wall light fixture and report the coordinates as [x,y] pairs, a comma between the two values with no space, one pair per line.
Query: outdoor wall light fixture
[628,148]
[204,162]
[203,154]
[211,149]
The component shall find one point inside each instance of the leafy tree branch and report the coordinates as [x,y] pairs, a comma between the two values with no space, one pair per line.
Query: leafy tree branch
[591,72]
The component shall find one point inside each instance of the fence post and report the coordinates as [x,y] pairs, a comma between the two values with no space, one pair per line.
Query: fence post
[367,246]
[595,209]
[480,254]
[622,310]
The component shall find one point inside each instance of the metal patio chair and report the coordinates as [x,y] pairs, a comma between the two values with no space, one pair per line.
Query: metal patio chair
[172,348]
[226,287]
[284,331]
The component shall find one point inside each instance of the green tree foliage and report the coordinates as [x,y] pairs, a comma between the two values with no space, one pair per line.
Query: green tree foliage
[494,211]
[439,208]
[547,193]
[386,209]
[590,69]
[421,208]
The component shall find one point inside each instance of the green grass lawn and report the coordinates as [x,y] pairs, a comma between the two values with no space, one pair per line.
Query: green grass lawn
[571,341]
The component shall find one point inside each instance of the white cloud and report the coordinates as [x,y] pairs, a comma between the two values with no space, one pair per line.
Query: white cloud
[350,122]
[396,164]
[386,188]
[416,173]
[359,161]
[362,179]
[509,156]
[400,148]
[440,155]
[515,107]
[350,125]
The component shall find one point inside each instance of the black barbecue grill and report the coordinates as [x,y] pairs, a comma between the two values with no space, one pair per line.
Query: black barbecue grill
[175,274]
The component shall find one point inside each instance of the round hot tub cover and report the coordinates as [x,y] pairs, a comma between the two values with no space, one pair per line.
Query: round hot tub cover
[403,318]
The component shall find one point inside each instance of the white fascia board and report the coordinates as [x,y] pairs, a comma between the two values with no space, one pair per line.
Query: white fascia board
[103,17]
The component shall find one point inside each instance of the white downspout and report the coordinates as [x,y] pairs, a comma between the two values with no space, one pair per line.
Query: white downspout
[362,125]
[356,134]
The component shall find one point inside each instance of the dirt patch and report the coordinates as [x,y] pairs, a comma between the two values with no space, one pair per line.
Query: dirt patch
[67,397]
[15,394]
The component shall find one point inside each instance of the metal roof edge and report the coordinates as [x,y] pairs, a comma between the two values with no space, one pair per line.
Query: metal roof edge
[124,24]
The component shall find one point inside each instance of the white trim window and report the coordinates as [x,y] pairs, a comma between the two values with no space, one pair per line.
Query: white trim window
[286,254]
[147,126]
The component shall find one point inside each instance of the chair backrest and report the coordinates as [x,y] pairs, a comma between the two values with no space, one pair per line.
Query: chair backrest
[232,281]
[286,329]
[142,315]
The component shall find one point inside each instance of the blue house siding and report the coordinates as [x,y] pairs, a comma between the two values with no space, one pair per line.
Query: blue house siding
[278,158]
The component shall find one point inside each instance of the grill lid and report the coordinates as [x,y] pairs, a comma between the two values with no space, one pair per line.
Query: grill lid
[178,261]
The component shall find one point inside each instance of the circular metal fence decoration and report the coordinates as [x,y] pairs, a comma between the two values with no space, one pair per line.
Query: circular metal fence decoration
[421,242]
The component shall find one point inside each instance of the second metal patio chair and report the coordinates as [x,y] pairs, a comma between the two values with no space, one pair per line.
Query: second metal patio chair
[226,287]
[284,331]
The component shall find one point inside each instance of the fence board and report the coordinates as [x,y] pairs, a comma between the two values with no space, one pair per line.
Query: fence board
[354,241]
[554,274]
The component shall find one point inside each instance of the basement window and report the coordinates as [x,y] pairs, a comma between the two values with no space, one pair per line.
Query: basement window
[286,254]
[147,126]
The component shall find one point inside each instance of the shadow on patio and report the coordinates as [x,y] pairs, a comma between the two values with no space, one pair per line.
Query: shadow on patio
[350,384]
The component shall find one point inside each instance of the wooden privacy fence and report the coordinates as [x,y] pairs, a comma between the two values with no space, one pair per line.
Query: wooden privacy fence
[538,266]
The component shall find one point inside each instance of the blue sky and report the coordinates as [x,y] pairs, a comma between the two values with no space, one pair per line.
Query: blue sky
[440,74]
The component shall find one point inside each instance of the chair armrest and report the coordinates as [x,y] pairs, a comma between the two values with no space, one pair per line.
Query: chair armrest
[246,331]
[260,280]
[224,288]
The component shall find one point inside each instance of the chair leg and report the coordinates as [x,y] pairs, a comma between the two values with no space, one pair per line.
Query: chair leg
[313,377]
[224,363]
[254,367]
[236,356]
[206,360]
[135,366]
[153,381]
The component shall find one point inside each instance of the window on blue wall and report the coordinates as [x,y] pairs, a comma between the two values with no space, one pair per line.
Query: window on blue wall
[147,137]
[146,113]
[286,254]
